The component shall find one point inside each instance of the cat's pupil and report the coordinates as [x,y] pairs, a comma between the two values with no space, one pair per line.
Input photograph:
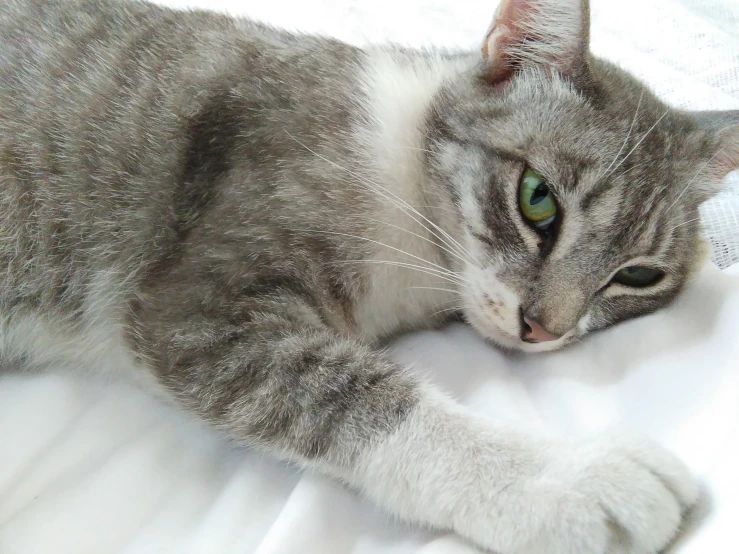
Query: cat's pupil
[540,193]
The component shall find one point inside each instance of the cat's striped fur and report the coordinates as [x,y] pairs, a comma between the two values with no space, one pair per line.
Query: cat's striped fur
[237,215]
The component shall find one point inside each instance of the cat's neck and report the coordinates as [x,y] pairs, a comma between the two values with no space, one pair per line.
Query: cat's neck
[399,89]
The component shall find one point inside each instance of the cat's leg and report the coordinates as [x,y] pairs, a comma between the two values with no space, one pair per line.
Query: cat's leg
[285,382]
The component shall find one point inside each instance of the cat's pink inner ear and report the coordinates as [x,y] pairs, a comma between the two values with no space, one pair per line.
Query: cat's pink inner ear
[495,49]
[553,33]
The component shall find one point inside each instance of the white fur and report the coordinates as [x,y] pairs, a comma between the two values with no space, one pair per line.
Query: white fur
[516,493]
[493,308]
[399,93]
[94,344]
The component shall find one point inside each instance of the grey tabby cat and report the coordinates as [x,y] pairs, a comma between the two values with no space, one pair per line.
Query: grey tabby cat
[236,215]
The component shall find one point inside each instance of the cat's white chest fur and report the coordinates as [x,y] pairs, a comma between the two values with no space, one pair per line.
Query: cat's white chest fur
[408,281]
[412,295]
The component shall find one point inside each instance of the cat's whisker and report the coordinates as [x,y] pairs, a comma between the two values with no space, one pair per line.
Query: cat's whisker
[449,242]
[446,302]
[400,204]
[450,252]
[697,174]
[358,237]
[628,136]
[450,277]
[431,288]
[627,171]
[457,306]
[684,223]
[383,192]
[652,128]
[446,310]
[422,269]
[386,194]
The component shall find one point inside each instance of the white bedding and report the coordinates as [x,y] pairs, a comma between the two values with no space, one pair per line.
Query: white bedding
[98,468]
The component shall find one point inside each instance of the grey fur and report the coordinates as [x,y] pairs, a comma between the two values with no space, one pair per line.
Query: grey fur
[210,169]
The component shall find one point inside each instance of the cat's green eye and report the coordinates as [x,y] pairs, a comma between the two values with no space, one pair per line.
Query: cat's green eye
[638,276]
[536,200]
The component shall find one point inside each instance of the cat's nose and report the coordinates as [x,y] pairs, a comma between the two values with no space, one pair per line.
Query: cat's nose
[533,331]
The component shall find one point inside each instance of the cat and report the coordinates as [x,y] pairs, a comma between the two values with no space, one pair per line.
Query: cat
[238,216]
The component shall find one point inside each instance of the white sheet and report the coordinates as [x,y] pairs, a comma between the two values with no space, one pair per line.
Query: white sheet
[97,468]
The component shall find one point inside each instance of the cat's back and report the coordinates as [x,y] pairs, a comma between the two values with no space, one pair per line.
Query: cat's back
[78,78]
[114,116]
[90,135]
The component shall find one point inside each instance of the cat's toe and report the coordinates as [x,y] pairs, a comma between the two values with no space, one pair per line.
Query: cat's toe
[643,490]
[674,473]
[611,495]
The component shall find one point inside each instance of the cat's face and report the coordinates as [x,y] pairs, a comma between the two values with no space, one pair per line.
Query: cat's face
[577,194]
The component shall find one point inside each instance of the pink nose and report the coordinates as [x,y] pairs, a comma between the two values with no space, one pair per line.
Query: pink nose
[533,331]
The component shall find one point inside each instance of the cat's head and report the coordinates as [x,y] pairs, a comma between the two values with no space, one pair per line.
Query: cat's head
[575,191]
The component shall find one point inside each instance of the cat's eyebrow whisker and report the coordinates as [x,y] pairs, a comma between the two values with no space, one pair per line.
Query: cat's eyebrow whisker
[451,252]
[697,174]
[378,189]
[422,269]
[628,136]
[358,237]
[640,141]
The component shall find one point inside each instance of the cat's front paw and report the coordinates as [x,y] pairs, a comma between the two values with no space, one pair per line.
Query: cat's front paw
[611,496]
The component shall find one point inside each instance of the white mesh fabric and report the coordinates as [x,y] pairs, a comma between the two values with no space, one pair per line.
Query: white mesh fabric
[721,224]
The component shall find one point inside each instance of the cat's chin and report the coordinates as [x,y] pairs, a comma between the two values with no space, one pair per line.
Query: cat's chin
[517,345]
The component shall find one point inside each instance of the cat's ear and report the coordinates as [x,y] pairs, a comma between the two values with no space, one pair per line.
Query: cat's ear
[536,33]
[719,136]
